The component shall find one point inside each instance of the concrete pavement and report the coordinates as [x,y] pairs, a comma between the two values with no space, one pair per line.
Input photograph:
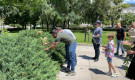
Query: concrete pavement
[87,69]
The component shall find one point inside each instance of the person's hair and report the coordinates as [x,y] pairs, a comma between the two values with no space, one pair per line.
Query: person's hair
[58,28]
[111,35]
[54,31]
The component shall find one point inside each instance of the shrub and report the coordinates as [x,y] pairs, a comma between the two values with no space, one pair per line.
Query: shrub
[23,57]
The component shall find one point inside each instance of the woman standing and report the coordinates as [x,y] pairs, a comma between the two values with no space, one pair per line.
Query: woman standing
[131,69]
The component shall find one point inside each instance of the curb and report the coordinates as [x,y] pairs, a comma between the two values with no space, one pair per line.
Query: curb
[83,44]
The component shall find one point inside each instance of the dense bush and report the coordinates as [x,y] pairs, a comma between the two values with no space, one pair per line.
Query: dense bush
[22,57]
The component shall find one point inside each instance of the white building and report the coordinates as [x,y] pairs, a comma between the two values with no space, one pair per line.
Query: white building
[130,9]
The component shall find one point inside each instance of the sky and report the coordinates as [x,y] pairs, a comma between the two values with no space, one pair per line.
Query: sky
[129,1]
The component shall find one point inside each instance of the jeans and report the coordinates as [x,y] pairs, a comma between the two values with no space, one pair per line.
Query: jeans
[72,56]
[97,49]
[119,43]
[67,52]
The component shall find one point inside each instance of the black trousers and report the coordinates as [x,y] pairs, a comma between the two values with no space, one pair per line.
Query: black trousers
[97,49]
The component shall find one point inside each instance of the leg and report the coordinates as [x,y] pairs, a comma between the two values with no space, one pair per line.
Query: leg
[67,56]
[112,66]
[75,52]
[67,52]
[109,67]
[94,45]
[117,46]
[122,48]
[97,51]
[72,49]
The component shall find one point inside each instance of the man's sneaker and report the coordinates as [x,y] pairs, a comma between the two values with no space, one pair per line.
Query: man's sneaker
[115,53]
[70,73]
[122,55]
[109,73]
[114,75]
[96,60]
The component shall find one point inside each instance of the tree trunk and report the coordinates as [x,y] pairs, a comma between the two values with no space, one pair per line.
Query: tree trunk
[30,26]
[64,25]
[54,23]
[34,26]
[112,23]
[42,24]
[47,25]
[25,26]
[68,25]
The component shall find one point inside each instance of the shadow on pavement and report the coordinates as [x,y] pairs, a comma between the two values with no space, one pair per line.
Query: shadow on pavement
[120,57]
[85,57]
[122,67]
[97,71]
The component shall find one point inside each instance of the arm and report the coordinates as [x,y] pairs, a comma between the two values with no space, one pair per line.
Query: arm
[48,43]
[124,35]
[130,52]
[100,33]
[53,45]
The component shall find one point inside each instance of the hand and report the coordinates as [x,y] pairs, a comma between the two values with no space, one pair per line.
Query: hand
[103,46]
[97,35]
[130,52]
[93,36]
[131,36]
[45,38]
[45,43]
[46,49]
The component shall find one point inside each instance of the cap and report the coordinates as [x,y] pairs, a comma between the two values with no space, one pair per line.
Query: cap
[98,22]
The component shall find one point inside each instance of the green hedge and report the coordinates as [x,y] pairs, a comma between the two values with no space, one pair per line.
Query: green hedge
[22,57]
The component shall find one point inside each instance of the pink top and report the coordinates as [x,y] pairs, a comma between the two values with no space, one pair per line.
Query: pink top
[110,47]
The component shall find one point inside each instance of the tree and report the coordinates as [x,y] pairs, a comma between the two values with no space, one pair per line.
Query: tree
[97,11]
[127,19]
[114,12]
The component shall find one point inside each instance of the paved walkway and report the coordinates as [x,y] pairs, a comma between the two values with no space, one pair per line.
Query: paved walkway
[87,69]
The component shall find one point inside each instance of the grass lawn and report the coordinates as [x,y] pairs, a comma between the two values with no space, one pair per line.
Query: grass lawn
[80,35]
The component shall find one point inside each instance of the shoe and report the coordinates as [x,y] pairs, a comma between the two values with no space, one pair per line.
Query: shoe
[115,53]
[66,70]
[109,73]
[122,55]
[71,73]
[95,60]
[114,75]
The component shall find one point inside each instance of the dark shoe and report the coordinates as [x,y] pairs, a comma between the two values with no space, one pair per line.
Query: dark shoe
[66,70]
[122,55]
[115,53]
[95,60]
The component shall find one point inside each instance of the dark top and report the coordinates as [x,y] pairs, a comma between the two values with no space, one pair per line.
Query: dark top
[120,33]
[65,38]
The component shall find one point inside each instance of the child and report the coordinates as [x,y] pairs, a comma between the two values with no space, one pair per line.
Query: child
[109,53]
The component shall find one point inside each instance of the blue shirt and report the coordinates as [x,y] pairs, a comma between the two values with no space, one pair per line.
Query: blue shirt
[67,31]
[99,31]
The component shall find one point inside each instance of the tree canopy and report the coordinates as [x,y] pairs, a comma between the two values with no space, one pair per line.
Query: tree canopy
[60,12]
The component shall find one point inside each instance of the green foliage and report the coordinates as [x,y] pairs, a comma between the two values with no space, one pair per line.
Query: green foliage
[23,57]
[127,19]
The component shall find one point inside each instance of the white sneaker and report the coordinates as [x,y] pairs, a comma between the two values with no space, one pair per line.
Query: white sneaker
[109,73]
[114,75]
